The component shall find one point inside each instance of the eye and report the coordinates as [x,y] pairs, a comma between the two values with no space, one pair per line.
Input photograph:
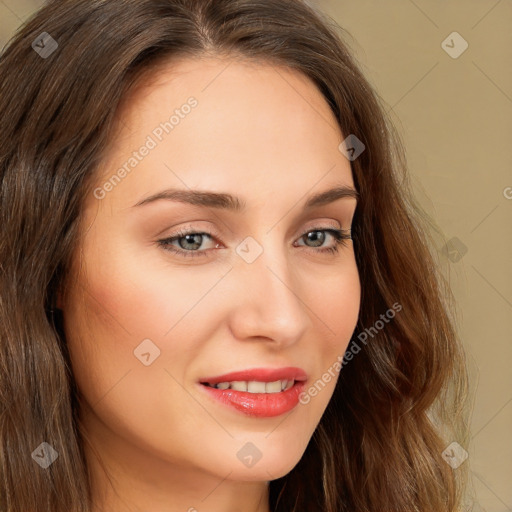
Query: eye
[190,241]
[340,237]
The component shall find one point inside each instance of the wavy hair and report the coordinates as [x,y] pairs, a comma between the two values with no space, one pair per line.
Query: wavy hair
[400,400]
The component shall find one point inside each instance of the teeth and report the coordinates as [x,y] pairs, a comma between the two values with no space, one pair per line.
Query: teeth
[256,386]
[289,385]
[238,385]
[273,387]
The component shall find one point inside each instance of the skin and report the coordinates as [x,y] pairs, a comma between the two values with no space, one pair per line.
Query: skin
[267,135]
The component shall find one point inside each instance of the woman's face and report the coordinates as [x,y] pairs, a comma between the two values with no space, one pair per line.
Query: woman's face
[146,325]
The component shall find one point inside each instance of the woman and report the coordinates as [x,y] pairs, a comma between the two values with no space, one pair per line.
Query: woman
[217,293]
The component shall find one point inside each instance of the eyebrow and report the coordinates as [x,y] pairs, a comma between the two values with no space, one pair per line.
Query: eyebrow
[223,200]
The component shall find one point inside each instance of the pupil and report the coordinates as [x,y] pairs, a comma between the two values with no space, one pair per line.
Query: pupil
[312,236]
[186,237]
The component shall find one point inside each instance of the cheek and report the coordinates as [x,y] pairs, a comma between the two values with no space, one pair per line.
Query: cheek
[111,310]
[337,308]
[100,346]
[122,298]
[342,305]
[336,304]
[122,306]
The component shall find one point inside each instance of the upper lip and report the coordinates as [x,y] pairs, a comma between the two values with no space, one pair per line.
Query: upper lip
[259,375]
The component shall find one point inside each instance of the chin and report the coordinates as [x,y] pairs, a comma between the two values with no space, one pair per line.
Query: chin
[271,470]
[275,462]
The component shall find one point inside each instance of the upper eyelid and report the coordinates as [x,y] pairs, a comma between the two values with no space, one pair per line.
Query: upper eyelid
[312,224]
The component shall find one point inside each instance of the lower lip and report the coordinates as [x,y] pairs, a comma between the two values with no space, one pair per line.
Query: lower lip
[262,405]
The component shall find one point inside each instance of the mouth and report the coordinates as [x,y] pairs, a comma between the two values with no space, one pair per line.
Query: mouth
[259,392]
[257,380]
[253,386]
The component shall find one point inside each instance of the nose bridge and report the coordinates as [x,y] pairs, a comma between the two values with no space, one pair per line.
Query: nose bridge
[268,303]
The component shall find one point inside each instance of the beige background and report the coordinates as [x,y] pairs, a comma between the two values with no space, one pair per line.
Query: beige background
[455,116]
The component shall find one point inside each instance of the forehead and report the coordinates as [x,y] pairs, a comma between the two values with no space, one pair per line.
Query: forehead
[252,123]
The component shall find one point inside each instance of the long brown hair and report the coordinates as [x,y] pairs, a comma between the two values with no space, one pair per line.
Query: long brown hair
[399,402]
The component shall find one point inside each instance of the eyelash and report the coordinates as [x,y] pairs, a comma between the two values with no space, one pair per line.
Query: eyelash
[340,239]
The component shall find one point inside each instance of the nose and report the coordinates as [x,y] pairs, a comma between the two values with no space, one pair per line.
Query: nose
[267,302]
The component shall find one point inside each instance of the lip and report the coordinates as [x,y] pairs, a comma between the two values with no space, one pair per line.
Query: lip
[263,405]
[260,375]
